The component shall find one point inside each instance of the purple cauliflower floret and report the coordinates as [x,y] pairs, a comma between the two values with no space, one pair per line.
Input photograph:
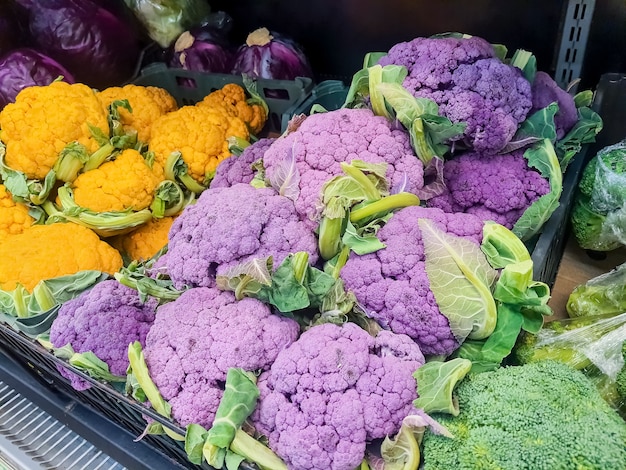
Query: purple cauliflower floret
[332,391]
[238,169]
[545,91]
[392,286]
[103,320]
[498,188]
[469,84]
[199,336]
[325,140]
[228,226]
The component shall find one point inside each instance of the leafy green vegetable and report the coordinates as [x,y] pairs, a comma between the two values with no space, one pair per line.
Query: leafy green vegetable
[461,280]
[542,157]
[48,293]
[538,126]
[435,384]
[501,246]
[526,62]
[602,295]
[589,124]
[136,275]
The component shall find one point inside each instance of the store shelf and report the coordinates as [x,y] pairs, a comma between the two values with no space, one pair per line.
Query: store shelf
[104,437]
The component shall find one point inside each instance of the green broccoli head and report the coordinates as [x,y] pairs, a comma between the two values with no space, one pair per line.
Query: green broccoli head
[542,415]
[599,201]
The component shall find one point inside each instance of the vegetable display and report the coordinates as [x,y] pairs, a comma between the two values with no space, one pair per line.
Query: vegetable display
[599,208]
[356,292]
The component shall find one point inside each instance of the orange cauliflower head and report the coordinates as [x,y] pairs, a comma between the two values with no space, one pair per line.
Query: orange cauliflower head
[232,98]
[128,182]
[44,119]
[200,134]
[14,217]
[147,102]
[146,241]
[47,251]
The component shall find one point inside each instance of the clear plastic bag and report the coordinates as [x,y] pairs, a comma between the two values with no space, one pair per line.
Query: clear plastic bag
[602,295]
[165,20]
[592,344]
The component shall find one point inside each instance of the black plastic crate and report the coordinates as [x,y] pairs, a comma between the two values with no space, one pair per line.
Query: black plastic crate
[101,397]
[189,87]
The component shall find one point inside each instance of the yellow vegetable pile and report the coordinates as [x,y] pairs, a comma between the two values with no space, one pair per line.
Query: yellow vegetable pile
[88,176]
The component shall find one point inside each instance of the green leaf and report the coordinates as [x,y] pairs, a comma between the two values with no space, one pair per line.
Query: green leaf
[195,436]
[372,58]
[461,280]
[435,384]
[246,279]
[589,124]
[526,62]
[237,403]
[361,244]
[406,106]
[136,276]
[501,246]
[538,126]
[359,89]
[488,354]
[583,99]
[542,157]
[89,363]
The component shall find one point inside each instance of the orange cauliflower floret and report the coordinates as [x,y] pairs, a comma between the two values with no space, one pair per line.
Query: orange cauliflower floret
[47,251]
[14,217]
[147,102]
[146,241]
[127,182]
[232,98]
[200,134]
[44,119]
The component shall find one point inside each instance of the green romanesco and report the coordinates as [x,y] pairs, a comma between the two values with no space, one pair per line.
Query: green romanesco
[540,416]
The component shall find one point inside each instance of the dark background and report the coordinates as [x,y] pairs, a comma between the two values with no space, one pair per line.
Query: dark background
[337,33]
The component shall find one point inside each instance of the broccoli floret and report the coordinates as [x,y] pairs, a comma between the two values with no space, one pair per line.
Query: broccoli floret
[599,204]
[544,415]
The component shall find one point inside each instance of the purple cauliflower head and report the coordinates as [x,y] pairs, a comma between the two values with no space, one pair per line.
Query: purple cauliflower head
[332,391]
[545,91]
[498,188]
[471,85]
[392,286]
[228,226]
[238,169]
[324,140]
[103,320]
[199,336]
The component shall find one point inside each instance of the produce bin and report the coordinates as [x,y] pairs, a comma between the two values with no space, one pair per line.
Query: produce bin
[189,87]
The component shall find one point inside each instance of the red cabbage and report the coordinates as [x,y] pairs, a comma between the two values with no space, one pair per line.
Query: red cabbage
[26,67]
[99,48]
[10,27]
[205,48]
[270,55]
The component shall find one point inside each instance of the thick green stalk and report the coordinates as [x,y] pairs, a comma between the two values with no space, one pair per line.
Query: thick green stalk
[330,232]
[254,451]
[384,206]
[98,157]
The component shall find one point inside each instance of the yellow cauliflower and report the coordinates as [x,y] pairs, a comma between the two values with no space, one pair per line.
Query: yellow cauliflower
[232,98]
[147,102]
[200,134]
[14,217]
[44,119]
[47,251]
[124,183]
[146,241]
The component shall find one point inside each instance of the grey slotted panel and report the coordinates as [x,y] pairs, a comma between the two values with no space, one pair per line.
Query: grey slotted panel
[575,31]
[32,439]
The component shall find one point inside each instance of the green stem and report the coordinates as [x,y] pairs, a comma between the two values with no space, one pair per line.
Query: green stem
[371,191]
[300,265]
[44,296]
[330,232]
[254,451]
[384,206]
[98,157]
